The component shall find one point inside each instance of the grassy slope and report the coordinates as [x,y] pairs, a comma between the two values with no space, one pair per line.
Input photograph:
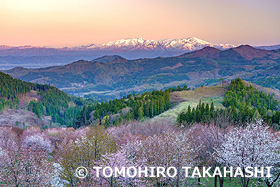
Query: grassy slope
[181,100]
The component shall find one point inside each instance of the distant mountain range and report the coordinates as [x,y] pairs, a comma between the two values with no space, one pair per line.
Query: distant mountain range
[110,77]
[185,44]
[132,48]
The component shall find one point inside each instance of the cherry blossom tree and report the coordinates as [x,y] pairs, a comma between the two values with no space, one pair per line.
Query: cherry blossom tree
[207,137]
[38,142]
[23,164]
[57,135]
[136,130]
[275,171]
[166,150]
[118,160]
[31,131]
[253,146]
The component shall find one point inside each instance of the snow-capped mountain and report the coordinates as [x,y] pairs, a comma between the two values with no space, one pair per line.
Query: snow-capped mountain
[131,48]
[186,44]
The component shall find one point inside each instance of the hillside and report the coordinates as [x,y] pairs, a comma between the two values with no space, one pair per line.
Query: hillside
[180,100]
[112,77]
[24,104]
[244,100]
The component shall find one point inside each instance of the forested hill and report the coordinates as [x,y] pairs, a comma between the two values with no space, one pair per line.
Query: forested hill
[10,89]
[40,99]
[130,107]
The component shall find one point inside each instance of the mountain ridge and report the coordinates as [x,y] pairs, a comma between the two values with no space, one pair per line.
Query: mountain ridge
[190,44]
[130,48]
[111,77]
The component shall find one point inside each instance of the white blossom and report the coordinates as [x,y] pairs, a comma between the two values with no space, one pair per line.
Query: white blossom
[38,142]
[253,146]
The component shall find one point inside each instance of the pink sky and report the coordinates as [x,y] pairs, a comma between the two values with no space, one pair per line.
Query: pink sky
[73,22]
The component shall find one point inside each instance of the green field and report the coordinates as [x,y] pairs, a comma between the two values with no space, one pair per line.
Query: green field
[181,100]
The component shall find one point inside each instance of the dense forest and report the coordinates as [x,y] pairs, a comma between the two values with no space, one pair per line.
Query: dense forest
[53,102]
[130,107]
[242,104]
[61,107]
[10,89]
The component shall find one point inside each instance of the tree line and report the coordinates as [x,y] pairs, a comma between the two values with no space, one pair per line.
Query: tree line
[130,107]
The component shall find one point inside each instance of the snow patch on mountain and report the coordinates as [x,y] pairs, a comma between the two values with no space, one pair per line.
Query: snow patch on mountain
[189,44]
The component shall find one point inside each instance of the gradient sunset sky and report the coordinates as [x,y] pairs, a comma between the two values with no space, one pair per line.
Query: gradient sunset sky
[73,22]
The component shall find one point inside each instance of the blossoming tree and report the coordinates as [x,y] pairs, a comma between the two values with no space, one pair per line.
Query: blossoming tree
[253,146]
